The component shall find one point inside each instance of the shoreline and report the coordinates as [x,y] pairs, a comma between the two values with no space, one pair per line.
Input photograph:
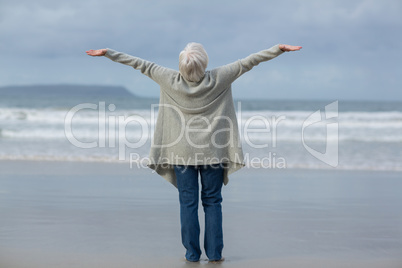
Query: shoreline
[138,163]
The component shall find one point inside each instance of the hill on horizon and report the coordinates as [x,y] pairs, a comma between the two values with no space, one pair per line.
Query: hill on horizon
[66,90]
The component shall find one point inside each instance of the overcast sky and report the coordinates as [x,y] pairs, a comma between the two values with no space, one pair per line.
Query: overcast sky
[351,49]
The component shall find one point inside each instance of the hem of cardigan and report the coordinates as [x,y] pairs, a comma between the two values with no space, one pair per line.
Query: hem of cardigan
[169,175]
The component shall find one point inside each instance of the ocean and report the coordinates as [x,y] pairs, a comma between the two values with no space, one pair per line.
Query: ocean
[349,135]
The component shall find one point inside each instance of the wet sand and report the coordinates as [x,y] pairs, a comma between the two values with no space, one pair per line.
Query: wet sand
[76,214]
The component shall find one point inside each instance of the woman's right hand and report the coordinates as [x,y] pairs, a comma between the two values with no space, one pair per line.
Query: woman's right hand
[289,47]
[95,53]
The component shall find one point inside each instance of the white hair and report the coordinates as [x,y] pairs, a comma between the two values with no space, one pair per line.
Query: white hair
[193,61]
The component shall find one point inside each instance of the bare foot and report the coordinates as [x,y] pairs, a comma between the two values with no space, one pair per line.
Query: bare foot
[218,261]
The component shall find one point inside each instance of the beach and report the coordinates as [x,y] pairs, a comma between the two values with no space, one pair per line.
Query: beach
[99,214]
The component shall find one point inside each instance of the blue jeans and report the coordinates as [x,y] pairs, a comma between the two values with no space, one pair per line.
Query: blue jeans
[211,197]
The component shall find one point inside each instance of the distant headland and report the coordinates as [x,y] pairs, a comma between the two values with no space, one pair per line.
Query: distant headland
[66,90]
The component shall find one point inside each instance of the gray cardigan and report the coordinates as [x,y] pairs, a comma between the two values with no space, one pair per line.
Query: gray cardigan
[196,121]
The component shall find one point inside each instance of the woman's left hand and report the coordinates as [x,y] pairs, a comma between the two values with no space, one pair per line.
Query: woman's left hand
[98,52]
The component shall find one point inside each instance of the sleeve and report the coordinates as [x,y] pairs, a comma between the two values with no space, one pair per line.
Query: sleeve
[154,71]
[229,73]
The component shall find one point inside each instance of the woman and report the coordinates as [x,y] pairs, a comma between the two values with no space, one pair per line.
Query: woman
[196,133]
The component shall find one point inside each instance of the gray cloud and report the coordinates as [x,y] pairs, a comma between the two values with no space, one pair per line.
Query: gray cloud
[350,48]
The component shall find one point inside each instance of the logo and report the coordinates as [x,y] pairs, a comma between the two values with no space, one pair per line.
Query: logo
[329,117]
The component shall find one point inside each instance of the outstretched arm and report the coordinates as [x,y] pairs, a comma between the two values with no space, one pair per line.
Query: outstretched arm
[229,73]
[156,72]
